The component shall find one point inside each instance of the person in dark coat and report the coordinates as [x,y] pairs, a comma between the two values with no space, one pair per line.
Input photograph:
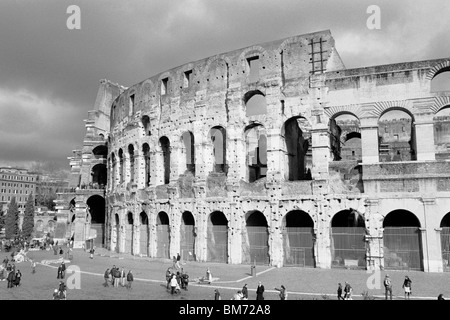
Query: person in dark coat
[260,292]
[59,276]
[63,270]
[245,292]
[17,279]
[130,279]
[339,292]
[106,276]
[407,287]
[62,291]
[168,277]
[217,295]
[11,278]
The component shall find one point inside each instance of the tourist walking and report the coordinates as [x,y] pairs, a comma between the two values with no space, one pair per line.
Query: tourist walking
[59,276]
[387,287]
[11,278]
[92,253]
[260,292]
[17,278]
[106,277]
[116,277]
[130,279]
[122,277]
[245,292]
[217,295]
[63,270]
[173,284]
[33,266]
[168,277]
[407,287]
[339,292]
[283,293]
[348,291]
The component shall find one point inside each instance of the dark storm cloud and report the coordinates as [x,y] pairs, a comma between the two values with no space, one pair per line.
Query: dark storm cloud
[49,75]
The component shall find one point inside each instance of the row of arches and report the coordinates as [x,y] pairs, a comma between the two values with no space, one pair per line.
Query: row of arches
[396,135]
[402,238]
[297,147]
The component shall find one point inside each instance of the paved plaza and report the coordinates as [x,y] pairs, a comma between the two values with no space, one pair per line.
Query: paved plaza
[149,284]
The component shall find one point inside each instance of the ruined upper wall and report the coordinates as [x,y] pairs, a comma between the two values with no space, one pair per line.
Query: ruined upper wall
[281,63]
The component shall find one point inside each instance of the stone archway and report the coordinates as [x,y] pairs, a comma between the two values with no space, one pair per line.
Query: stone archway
[143,234]
[96,209]
[217,237]
[348,245]
[255,240]
[129,233]
[402,241]
[162,236]
[298,239]
[187,239]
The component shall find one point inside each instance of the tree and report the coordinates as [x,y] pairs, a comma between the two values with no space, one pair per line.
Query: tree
[28,219]
[12,220]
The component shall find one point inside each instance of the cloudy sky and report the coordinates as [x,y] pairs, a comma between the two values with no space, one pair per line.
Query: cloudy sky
[49,75]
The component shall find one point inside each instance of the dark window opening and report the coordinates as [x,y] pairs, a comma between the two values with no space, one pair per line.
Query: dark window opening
[165,146]
[187,78]
[254,65]
[164,84]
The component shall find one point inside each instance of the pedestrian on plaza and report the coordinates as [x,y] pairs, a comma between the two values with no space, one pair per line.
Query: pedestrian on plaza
[168,277]
[245,292]
[11,278]
[106,277]
[339,292]
[237,296]
[62,291]
[92,253]
[184,280]
[260,291]
[407,287]
[348,291]
[59,276]
[116,277]
[217,295]
[55,294]
[63,270]
[173,284]
[440,297]
[33,266]
[122,277]
[130,279]
[283,292]
[61,252]
[2,273]
[17,279]
[5,261]
[178,260]
[388,287]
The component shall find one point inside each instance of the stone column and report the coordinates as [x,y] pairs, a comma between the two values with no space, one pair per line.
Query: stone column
[234,235]
[320,151]
[369,140]
[276,155]
[139,176]
[201,232]
[322,245]
[424,133]
[175,224]
[374,238]
[431,241]
[275,236]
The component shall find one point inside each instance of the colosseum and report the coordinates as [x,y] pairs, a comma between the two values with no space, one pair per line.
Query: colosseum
[275,154]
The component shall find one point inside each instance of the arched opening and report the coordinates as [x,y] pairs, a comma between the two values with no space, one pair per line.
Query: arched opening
[189,151]
[100,152]
[396,136]
[121,166]
[402,241]
[146,152]
[143,233]
[165,148]
[117,232]
[217,237]
[113,170]
[131,159]
[256,146]
[39,229]
[218,138]
[146,125]
[187,237]
[51,228]
[441,122]
[129,233]
[445,242]
[96,211]
[99,176]
[348,245]
[162,235]
[297,138]
[298,239]
[255,240]
[255,103]
[345,138]
[441,81]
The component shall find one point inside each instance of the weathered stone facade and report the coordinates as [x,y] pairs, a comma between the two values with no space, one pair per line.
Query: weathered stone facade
[192,170]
